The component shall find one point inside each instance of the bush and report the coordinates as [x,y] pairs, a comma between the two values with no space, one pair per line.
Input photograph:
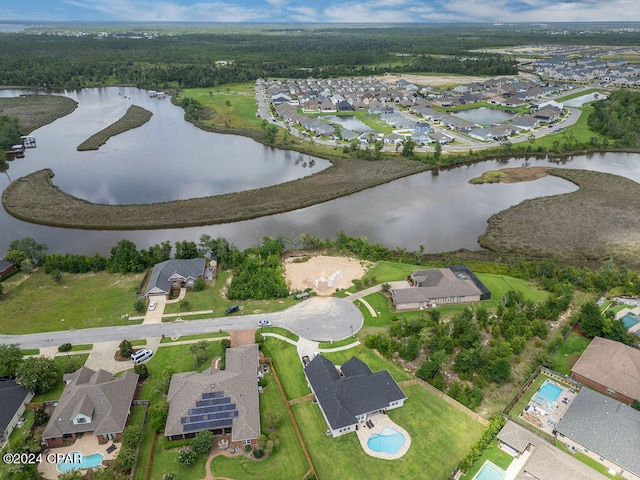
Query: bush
[125,349]
[186,457]
[125,460]
[65,347]
[142,370]
[131,437]
[140,306]
[258,453]
[158,414]
[199,284]
[40,417]
[202,442]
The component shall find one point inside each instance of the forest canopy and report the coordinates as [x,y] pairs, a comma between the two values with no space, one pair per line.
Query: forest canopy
[618,117]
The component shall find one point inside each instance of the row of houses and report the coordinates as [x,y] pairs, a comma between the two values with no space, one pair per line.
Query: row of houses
[614,71]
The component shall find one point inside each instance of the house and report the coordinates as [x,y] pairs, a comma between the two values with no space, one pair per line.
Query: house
[346,396]
[604,429]
[221,401]
[174,274]
[7,267]
[482,134]
[539,459]
[12,398]
[94,402]
[456,284]
[610,367]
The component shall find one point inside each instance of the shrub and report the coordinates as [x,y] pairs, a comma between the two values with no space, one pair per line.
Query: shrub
[65,347]
[158,414]
[202,442]
[142,370]
[199,284]
[125,460]
[40,416]
[125,349]
[131,437]
[186,457]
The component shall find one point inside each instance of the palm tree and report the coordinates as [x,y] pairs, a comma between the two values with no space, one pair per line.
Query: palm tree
[193,348]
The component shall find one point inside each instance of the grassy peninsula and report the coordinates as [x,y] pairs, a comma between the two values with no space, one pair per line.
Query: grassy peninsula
[35,111]
[598,221]
[134,117]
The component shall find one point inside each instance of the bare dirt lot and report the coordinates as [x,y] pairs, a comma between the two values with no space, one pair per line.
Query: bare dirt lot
[323,274]
[435,80]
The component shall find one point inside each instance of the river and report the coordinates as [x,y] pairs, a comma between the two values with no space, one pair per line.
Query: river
[168,158]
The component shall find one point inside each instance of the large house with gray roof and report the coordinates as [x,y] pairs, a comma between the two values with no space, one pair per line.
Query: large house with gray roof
[93,402]
[221,401]
[12,398]
[604,429]
[347,395]
[174,274]
[455,284]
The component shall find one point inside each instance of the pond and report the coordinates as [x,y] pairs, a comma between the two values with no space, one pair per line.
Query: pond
[349,122]
[484,116]
[442,212]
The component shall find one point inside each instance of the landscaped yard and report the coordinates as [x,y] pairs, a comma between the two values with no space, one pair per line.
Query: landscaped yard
[87,300]
[289,367]
[568,353]
[440,436]
[368,356]
[286,461]
[495,455]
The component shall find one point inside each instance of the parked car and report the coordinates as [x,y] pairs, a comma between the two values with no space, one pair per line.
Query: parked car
[152,305]
[141,355]
[264,323]
[232,309]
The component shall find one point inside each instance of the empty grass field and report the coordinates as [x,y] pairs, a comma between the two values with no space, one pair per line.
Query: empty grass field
[36,303]
[440,436]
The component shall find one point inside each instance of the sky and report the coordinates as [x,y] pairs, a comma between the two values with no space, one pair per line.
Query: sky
[322,11]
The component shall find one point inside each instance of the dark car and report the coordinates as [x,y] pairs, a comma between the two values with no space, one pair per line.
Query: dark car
[232,309]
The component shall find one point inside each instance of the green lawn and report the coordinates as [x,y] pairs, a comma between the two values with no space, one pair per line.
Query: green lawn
[494,454]
[568,353]
[287,461]
[368,356]
[440,436]
[499,285]
[289,367]
[210,298]
[340,343]
[201,336]
[83,300]
[520,404]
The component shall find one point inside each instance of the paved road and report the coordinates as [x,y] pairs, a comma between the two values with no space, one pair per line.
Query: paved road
[319,319]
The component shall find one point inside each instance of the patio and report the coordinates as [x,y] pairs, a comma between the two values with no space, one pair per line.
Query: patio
[86,445]
[545,418]
[380,421]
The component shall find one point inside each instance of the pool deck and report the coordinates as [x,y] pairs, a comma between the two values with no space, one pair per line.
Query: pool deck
[380,421]
[544,418]
[87,445]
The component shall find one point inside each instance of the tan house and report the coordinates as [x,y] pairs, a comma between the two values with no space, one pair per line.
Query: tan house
[610,367]
[92,402]
[221,401]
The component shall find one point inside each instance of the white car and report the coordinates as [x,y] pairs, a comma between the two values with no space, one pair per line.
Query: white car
[152,306]
[264,323]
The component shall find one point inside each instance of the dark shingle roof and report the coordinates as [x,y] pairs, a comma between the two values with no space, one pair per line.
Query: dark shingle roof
[359,391]
[162,272]
[605,426]
[12,396]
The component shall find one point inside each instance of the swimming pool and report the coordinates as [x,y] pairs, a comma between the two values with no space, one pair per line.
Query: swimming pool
[630,320]
[490,471]
[387,441]
[549,392]
[75,460]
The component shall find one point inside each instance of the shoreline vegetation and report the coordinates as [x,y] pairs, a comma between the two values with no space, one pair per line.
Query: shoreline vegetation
[134,117]
[596,222]
[511,175]
[35,111]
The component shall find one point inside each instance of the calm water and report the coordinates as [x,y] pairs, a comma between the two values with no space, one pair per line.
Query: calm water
[442,212]
[349,122]
[484,116]
[11,27]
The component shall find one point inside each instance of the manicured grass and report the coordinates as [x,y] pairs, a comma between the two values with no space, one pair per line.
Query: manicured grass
[280,331]
[499,285]
[200,336]
[289,367]
[440,436]
[242,108]
[340,343]
[368,356]
[138,343]
[568,353]
[517,409]
[494,454]
[391,271]
[286,461]
[137,415]
[80,348]
[210,299]
[167,461]
[30,351]
[82,300]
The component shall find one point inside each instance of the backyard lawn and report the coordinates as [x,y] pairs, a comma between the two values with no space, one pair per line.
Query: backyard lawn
[286,461]
[568,353]
[440,436]
[87,300]
[289,367]
[494,454]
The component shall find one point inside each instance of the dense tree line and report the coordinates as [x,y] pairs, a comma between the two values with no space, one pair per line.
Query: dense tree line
[618,118]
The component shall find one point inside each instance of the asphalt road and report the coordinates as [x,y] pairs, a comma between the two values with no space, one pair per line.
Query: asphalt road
[319,319]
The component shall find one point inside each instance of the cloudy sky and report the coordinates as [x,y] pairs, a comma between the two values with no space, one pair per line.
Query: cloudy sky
[323,11]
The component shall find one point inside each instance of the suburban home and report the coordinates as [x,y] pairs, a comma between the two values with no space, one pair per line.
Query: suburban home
[174,274]
[92,402]
[347,395]
[221,401]
[539,459]
[456,284]
[7,267]
[604,429]
[12,398]
[610,367]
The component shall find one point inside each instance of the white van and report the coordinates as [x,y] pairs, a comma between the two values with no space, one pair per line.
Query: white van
[141,355]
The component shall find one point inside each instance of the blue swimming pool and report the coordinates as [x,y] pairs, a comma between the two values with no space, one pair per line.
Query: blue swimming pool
[387,441]
[75,461]
[630,320]
[549,392]
[490,471]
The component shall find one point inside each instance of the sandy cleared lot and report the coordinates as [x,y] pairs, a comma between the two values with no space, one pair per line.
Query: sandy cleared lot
[436,80]
[323,274]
